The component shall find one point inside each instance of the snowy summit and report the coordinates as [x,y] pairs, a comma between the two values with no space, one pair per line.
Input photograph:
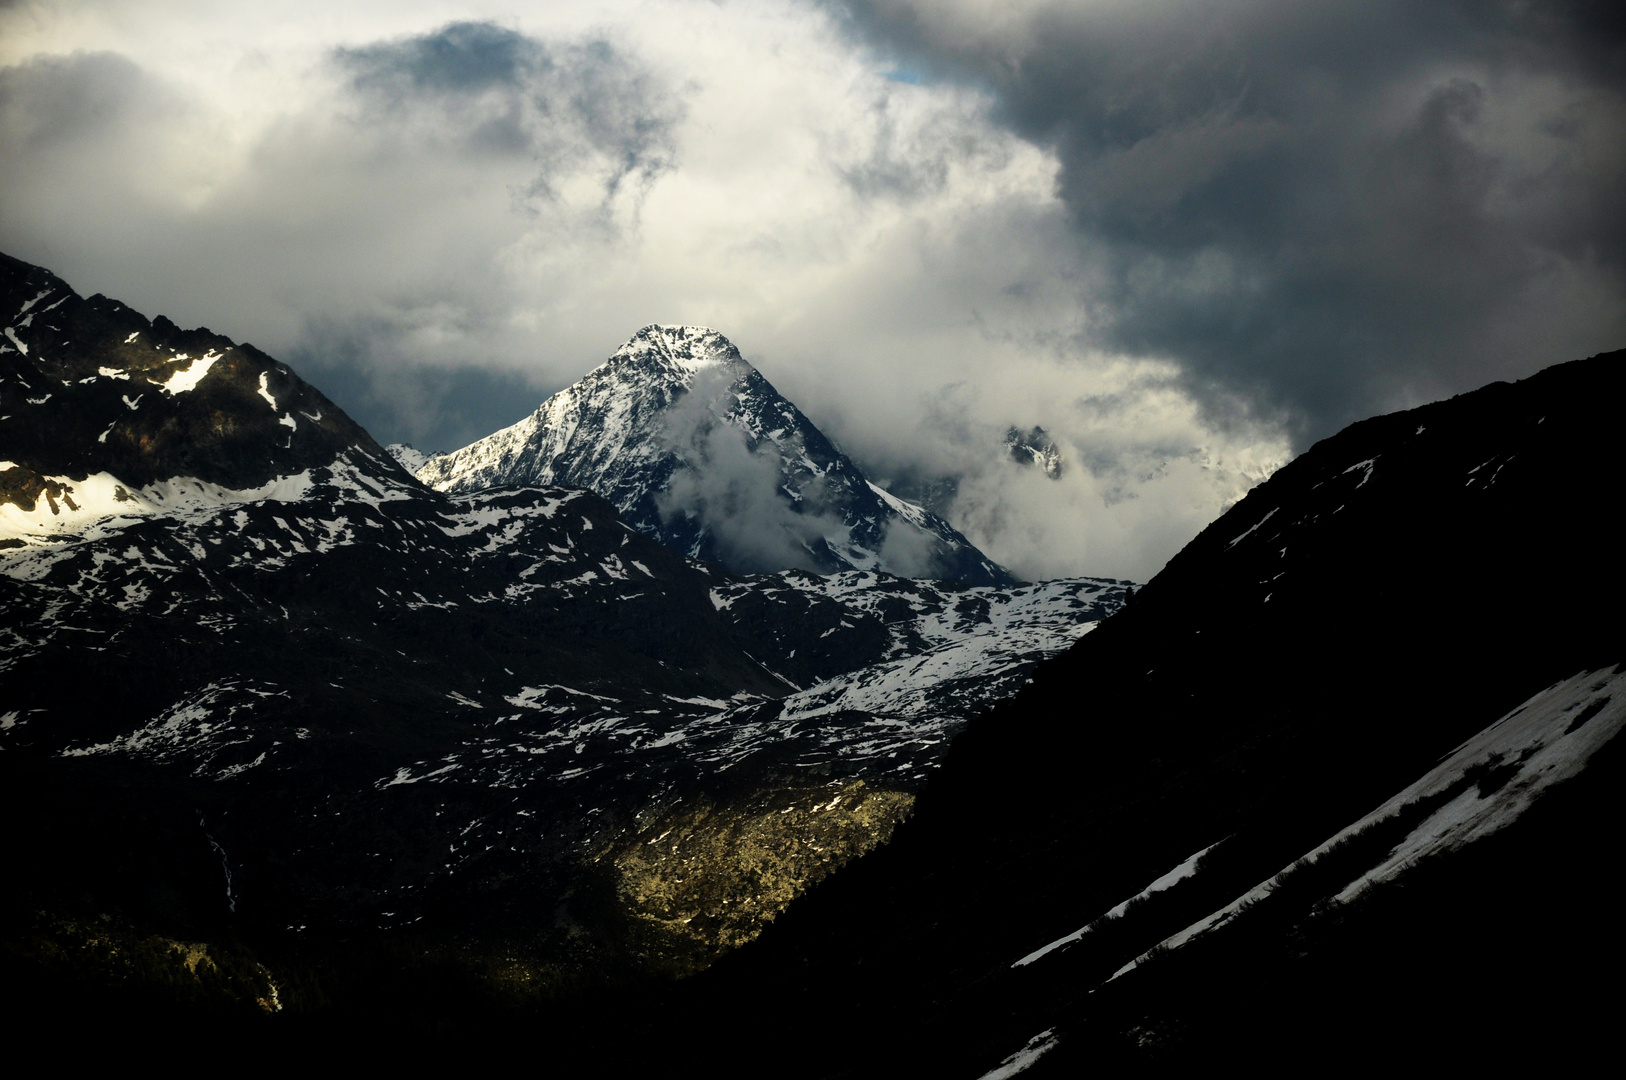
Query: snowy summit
[696,448]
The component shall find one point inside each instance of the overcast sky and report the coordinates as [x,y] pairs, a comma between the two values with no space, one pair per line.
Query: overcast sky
[1187,239]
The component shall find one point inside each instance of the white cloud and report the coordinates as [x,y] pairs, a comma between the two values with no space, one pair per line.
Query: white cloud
[891,258]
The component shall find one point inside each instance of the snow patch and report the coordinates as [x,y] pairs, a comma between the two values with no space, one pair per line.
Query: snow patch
[1543,742]
[1019,1062]
[30,303]
[187,378]
[1250,531]
[1367,465]
[1169,880]
[101,504]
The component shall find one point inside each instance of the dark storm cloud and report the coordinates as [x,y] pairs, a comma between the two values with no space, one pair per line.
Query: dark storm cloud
[496,91]
[1323,209]
[356,363]
[457,59]
[478,100]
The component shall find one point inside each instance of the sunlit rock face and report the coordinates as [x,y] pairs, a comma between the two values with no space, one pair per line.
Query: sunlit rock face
[698,879]
[694,447]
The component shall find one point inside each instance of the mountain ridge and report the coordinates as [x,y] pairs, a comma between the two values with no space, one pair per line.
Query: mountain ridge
[426,765]
[696,448]
[237,699]
[148,400]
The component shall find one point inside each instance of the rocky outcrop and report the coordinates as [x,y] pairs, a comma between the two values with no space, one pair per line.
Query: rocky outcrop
[707,875]
[89,386]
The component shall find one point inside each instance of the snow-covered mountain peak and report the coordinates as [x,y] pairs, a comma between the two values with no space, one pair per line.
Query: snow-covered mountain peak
[680,350]
[410,457]
[696,448]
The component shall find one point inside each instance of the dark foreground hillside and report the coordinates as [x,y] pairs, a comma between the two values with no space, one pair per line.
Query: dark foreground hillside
[1389,594]
[1342,782]
[1314,684]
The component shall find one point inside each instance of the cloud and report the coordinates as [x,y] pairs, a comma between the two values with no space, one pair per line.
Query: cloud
[733,490]
[1319,211]
[441,223]
[734,494]
[573,108]
[1140,470]
[50,101]
[357,361]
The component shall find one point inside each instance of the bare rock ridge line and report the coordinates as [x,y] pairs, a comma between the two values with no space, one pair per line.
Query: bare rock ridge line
[90,388]
[694,447]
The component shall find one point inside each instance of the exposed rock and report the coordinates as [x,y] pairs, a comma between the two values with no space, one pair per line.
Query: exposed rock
[1035,447]
[708,875]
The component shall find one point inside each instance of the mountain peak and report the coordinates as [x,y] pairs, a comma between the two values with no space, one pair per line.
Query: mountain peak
[694,447]
[683,349]
[109,414]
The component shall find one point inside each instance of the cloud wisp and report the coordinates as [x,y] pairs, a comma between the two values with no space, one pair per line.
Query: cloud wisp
[732,490]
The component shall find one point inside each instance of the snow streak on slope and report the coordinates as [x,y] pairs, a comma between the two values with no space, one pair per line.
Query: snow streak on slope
[1025,1058]
[1181,872]
[694,447]
[951,654]
[1482,786]
[99,505]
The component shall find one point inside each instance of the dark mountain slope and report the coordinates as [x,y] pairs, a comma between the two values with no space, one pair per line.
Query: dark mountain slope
[1321,646]
[260,686]
[90,386]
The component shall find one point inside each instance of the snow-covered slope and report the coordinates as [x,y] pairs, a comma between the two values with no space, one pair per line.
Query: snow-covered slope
[941,657]
[106,416]
[1478,789]
[239,593]
[411,459]
[694,447]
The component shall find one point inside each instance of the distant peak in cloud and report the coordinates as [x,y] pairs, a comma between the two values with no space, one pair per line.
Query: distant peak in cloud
[1035,448]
